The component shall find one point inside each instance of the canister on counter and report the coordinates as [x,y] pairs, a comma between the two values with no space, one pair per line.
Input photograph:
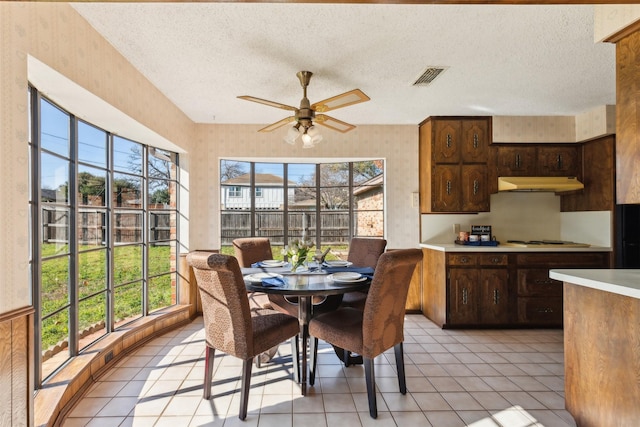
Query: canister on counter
[463,236]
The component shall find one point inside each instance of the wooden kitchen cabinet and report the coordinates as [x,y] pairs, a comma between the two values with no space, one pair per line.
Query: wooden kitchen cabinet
[453,155]
[599,193]
[498,289]
[538,160]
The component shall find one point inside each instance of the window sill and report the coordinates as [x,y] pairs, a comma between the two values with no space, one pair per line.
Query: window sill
[64,388]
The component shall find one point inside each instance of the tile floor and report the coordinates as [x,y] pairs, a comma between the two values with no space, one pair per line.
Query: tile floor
[480,378]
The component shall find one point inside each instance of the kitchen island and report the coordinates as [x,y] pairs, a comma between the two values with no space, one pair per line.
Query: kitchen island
[499,286]
[602,346]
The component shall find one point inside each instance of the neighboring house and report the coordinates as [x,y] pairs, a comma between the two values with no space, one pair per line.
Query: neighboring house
[235,193]
[369,203]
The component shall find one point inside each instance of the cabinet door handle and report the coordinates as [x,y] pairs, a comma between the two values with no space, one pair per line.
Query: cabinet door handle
[495,260]
[559,161]
[475,187]
[448,140]
[464,260]
[465,296]
[448,187]
[496,297]
[475,140]
[517,160]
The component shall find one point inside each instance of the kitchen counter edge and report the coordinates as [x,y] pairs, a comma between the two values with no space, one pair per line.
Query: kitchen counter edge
[624,282]
[452,247]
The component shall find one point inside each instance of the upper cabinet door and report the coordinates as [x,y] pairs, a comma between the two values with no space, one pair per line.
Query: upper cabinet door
[516,161]
[475,141]
[559,161]
[446,143]
[447,194]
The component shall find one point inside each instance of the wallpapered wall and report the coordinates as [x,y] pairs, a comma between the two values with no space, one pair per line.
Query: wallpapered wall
[398,145]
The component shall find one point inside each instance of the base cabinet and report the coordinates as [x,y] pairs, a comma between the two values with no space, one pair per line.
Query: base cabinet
[475,289]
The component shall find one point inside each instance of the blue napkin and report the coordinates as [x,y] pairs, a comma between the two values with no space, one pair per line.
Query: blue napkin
[271,282]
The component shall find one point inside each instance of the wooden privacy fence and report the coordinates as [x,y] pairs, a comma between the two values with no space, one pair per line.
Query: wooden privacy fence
[334,226]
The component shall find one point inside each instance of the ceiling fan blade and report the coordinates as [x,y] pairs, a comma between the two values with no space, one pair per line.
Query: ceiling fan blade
[278,124]
[348,98]
[267,102]
[335,124]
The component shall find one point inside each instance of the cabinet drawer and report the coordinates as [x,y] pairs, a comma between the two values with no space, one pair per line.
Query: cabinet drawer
[463,259]
[494,259]
[540,311]
[563,259]
[537,283]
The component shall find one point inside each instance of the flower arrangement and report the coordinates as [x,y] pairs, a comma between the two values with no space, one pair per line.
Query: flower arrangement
[296,251]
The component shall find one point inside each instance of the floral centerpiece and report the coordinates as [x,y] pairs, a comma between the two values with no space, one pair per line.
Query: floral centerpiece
[296,251]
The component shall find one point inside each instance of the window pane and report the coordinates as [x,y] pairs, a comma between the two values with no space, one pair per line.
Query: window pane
[161,164]
[334,198]
[127,227]
[232,170]
[161,226]
[55,230]
[55,284]
[92,318]
[233,225]
[335,227]
[334,174]
[364,171]
[127,191]
[127,302]
[91,186]
[92,272]
[160,258]
[302,224]
[92,228]
[160,291]
[369,224]
[92,145]
[127,264]
[55,331]
[54,129]
[54,175]
[159,194]
[270,224]
[127,156]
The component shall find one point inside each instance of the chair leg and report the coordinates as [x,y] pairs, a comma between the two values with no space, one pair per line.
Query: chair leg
[313,349]
[245,385]
[402,382]
[370,379]
[346,354]
[295,358]
[208,371]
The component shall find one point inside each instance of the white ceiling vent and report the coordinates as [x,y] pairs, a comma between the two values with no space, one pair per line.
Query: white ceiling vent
[429,75]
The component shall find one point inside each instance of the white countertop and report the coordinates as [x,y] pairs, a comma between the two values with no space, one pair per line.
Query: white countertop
[618,281]
[452,247]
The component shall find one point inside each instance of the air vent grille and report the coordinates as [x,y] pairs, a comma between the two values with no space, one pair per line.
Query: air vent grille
[428,76]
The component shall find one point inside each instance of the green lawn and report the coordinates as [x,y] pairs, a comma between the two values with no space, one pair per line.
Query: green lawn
[92,284]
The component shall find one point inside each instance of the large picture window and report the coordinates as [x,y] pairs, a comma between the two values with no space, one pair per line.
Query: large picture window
[329,203]
[104,212]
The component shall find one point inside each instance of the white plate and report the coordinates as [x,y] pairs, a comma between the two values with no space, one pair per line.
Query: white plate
[258,277]
[342,280]
[338,263]
[272,263]
[347,275]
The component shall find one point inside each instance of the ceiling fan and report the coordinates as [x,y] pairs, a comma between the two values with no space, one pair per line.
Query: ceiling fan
[308,113]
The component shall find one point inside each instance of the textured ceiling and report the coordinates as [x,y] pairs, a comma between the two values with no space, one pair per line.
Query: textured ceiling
[502,60]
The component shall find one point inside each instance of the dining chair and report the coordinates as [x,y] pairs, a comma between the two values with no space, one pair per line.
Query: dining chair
[363,252]
[377,328]
[230,325]
[248,251]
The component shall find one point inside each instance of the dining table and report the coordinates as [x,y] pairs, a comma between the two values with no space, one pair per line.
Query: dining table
[311,281]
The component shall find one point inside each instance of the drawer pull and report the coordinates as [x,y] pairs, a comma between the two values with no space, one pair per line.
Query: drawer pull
[495,260]
[545,310]
[464,260]
[543,281]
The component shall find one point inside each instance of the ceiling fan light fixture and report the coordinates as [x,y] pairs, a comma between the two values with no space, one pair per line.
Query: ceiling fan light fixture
[292,134]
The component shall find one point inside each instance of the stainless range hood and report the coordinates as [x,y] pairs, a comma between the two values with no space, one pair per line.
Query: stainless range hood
[554,184]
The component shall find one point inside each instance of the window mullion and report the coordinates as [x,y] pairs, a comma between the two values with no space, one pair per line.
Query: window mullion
[145,231]
[73,238]
[110,320]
